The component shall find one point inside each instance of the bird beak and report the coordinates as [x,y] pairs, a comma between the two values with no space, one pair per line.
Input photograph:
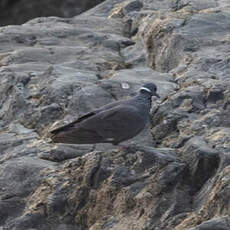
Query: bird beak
[155,94]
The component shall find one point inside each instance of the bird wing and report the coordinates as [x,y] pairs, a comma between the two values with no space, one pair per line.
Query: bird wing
[118,123]
[79,131]
[85,116]
[113,122]
[71,124]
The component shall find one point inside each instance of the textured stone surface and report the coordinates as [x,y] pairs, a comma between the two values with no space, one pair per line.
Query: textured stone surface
[53,70]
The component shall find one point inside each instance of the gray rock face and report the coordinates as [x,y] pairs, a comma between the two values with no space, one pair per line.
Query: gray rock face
[54,69]
[217,223]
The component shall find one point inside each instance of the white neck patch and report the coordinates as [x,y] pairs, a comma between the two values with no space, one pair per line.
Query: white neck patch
[145,89]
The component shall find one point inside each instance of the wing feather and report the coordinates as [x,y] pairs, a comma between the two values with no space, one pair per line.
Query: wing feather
[114,124]
[118,123]
[78,136]
[71,124]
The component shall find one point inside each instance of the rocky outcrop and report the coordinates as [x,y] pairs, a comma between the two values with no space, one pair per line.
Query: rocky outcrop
[54,69]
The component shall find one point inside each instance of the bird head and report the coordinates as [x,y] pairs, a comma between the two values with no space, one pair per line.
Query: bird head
[150,88]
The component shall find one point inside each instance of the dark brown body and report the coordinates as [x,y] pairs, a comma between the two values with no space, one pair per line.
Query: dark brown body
[112,123]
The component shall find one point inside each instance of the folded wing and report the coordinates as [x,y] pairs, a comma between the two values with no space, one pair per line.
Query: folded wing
[112,125]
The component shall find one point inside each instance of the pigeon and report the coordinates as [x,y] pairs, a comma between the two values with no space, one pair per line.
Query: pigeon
[113,123]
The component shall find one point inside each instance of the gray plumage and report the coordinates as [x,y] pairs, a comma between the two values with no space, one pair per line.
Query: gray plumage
[112,123]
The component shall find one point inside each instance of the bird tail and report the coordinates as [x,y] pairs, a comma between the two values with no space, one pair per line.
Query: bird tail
[77,136]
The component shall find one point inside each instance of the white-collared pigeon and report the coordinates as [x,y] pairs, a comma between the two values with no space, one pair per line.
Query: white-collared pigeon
[113,123]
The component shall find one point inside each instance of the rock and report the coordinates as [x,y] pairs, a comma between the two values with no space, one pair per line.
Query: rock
[212,205]
[18,178]
[132,6]
[215,223]
[62,152]
[27,222]
[125,8]
[55,69]
[99,174]
[202,162]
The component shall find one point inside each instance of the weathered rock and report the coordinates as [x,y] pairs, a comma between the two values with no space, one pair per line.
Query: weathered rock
[118,177]
[19,177]
[215,224]
[202,162]
[54,69]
